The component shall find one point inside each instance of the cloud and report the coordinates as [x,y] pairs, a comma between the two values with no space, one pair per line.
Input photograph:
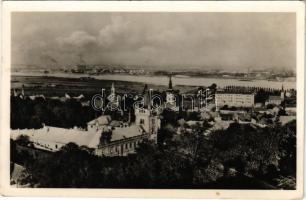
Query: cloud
[228,40]
[110,34]
[78,39]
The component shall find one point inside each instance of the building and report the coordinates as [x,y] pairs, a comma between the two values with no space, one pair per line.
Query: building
[149,121]
[274,100]
[171,101]
[286,119]
[103,136]
[98,124]
[113,98]
[230,99]
[21,95]
[81,68]
[123,141]
[53,138]
[146,117]
[283,93]
[290,110]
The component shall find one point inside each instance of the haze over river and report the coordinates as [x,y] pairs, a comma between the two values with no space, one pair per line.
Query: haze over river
[288,83]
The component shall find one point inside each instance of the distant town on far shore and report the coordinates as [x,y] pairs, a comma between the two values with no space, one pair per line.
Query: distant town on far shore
[247,74]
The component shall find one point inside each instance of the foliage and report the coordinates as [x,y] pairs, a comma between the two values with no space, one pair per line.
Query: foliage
[106,137]
[192,159]
[23,140]
[286,182]
[27,113]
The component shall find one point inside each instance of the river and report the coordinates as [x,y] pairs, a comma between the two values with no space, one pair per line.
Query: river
[177,80]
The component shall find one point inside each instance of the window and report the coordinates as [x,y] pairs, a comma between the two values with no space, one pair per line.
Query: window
[141,121]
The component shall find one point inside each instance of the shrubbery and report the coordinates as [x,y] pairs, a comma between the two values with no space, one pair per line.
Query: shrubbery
[240,157]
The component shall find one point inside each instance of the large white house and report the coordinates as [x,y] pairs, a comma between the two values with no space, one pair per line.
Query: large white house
[122,140]
[234,99]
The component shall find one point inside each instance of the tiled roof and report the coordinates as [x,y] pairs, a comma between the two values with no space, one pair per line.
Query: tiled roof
[126,132]
[54,135]
[102,120]
[60,136]
[234,92]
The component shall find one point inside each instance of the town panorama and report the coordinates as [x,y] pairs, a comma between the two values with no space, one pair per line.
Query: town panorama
[153,100]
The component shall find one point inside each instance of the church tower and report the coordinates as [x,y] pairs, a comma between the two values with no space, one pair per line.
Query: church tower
[113,98]
[170,83]
[170,97]
[146,97]
[113,89]
[169,93]
[147,118]
[148,121]
[282,96]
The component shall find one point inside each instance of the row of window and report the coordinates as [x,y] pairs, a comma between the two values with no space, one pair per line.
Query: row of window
[124,146]
[237,95]
[238,98]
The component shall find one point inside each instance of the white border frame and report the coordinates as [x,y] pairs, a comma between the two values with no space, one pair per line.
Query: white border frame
[151,6]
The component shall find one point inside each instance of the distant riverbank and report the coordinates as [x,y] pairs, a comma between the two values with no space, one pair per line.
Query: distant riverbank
[289,83]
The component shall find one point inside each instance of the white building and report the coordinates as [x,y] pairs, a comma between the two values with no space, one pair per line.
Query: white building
[53,138]
[148,121]
[123,141]
[274,100]
[234,99]
[98,124]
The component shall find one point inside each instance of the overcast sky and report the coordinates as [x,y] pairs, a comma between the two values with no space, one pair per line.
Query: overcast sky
[207,40]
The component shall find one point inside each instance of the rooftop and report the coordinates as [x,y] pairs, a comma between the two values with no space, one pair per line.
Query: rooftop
[54,135]
[60,135]
[286,119]
[102,120]
[274,98]
[234,92]
[126,132]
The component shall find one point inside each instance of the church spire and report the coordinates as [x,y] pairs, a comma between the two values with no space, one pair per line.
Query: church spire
[113,88]
[146,97]
[170,83]
[145,89]
[282,93]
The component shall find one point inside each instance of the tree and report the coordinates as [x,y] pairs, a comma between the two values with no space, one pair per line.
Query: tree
[106,137]
[23,140]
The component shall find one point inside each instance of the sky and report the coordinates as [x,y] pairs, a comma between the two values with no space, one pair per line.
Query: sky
[229,41]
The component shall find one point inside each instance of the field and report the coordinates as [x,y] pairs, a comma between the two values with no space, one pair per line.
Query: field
[57,86]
